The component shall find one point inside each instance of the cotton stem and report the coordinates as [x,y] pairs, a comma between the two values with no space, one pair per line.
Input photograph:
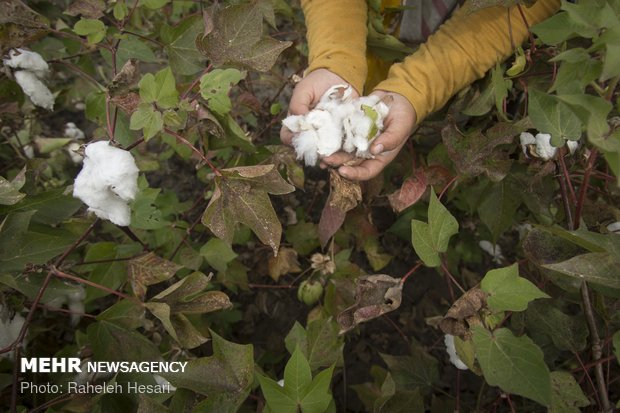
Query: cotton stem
[597,348]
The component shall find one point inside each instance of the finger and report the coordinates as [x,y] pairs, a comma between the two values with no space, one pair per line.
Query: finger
[300,101]
[337,158]
[364,171]
[286,136]
[391,138]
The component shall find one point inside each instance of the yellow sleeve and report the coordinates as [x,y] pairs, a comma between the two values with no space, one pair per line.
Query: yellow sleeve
[337,38]
[461,51]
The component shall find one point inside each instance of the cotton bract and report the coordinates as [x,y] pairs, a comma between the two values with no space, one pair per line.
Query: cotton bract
[30,70]
[337,122]
[107,182]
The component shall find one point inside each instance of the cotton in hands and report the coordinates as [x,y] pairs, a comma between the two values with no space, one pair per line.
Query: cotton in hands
[337,122]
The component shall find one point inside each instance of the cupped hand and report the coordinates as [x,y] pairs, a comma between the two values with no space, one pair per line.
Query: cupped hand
[398,125]
[307,94]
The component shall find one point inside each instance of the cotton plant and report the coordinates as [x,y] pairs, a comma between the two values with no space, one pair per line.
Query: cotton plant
[337,122]
[540,146]
[74,299]
[614,227]
[30,70]
[107,182]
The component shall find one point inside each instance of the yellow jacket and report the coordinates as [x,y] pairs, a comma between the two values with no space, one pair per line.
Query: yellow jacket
[461,51]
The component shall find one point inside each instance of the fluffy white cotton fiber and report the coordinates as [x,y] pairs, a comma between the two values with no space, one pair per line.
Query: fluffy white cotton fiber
[107,182]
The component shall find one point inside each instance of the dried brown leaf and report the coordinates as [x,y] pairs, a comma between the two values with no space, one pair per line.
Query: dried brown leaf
[125,78]
[128,102]
[409,193]
[344,196]
[464,313]
[284,263]
[149,269]
[91,9]
[375,295]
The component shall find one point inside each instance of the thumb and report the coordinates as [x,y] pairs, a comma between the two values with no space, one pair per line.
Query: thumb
[300,101]
[391,138]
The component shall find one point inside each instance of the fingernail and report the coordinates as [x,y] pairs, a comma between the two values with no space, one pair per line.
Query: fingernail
[377,149]
[343,171]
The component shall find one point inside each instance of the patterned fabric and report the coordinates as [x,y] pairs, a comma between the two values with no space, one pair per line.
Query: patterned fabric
[423,17]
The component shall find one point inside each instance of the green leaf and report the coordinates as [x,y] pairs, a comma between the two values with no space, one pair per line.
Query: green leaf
[515,364]
[189,296]
[215,86]
[303,236]
[557,29]
[278,400]
[125,313]
[93,29]
[241,197]
[593,111]
[111,342]
[317,397]
[51,207]
[149,269]
[566,395]
[507,291]
[498,205]
[20,246]
[500,87]
[477,153]
[148,119]
[431,239]
[321,344]
[420,370]
[9,191]
[134,48]
[597,267]
[237,39]
[217,253]
[154,4]
[550,115]
[567,332]
[160,89]
[297,374]
[225,378]
[183,56]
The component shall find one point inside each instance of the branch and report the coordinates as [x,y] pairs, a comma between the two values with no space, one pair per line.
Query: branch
[194,149]
[597,349]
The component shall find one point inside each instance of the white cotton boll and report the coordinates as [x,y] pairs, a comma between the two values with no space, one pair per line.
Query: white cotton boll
[71,150]
[36,90]
[73,132]
[526,139]
[493,250]
[9,329]
[572,146]
[294,122]
[328,129]
[614,227]
[27,60]
[335,94]
[544,149]
[306,145]
[451,350]
[107,182]
[29,151]
[356,129]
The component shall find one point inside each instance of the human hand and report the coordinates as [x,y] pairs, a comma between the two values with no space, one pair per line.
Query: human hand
[307,94]
[398,125]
